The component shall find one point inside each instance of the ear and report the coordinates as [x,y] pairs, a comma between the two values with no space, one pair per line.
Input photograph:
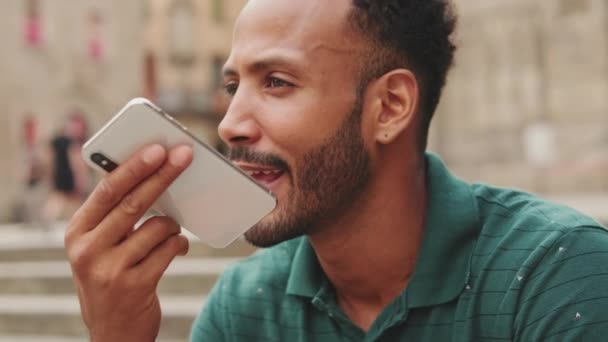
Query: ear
[398,93]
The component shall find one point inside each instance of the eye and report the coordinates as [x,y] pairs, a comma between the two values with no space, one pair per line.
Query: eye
[230,88]
[274,82]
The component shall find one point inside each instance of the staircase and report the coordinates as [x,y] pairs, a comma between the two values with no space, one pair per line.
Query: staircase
[38,301]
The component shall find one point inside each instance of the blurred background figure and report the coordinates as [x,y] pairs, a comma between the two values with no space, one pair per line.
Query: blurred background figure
[70,174]
[95,44]
[31,172]
[33,26]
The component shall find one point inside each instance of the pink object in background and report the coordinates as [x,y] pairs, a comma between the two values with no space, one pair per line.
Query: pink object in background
[33,25]
[95,47]
[33,32]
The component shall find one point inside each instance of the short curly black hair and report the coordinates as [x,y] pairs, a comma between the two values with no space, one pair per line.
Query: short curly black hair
[411,34]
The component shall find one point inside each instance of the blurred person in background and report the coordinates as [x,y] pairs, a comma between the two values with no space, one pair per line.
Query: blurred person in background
[69,173]
[373,238]
[33,24]
[32,173]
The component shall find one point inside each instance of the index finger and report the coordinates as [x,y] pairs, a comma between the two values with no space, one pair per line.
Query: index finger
[113,187]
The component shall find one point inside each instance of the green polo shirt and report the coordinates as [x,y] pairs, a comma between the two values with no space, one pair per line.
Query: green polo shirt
[495,265]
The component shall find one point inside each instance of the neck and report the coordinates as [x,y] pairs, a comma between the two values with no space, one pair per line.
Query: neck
[370,252]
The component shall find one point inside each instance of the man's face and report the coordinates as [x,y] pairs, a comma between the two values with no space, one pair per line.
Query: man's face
[294,122]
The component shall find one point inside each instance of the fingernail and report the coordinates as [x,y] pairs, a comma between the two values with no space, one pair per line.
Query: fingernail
[153,154]
[181,156]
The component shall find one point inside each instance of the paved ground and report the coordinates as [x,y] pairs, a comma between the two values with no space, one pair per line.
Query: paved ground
[37,303]
[68,304]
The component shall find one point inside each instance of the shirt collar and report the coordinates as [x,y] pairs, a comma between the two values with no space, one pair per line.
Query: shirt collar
[306,275]
[442,268]
[451,230]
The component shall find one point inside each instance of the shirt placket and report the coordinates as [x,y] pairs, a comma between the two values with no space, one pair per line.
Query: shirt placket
[324,303]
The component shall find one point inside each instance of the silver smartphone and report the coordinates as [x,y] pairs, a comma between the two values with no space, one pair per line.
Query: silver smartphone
[213,199]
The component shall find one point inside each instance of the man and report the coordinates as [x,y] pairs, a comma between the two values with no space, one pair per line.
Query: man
[372,239]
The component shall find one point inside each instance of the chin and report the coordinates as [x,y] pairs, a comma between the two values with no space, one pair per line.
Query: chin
[264,233]
[272,230]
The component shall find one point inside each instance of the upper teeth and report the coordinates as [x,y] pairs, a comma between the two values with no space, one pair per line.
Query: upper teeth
[266,172]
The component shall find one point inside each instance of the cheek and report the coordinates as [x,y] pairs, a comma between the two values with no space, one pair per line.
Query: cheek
[294,125]
[302,120]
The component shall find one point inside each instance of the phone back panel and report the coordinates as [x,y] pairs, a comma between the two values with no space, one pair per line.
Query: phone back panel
[212,199]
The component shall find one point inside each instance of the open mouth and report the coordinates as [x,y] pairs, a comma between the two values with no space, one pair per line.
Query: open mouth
[263,175]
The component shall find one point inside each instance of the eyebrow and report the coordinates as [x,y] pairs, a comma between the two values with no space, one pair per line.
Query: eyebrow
[264,64]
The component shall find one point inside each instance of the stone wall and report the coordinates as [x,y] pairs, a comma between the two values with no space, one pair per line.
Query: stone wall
[523,65]
[526,104]
[57,76]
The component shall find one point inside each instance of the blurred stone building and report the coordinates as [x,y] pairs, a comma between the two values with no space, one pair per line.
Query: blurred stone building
[186,44]
[93,55]
[527,103]
[58,57]
[525,106]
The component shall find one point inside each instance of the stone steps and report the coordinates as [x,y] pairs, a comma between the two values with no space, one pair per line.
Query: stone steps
[186,276]
[38,301]
[60,316]
[54,251]
[31,338]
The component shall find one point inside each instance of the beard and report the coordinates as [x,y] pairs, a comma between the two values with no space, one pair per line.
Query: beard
[328,181]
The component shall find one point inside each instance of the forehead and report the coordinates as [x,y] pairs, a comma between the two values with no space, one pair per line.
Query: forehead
[307,31]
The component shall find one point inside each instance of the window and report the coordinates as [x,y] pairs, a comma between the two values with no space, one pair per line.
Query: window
[217,66]
[572,7]
[150,78]
[182,33]
[218,11]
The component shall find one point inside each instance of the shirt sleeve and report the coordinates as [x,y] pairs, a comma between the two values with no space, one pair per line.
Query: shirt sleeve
[565,297]
[211,324]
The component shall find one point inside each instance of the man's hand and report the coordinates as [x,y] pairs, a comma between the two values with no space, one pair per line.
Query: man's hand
[116,268]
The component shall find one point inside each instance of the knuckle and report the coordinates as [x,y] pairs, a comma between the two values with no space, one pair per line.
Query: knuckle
[132,172]
[80,258]
[80,220]
[104,278]
[130,205]
[105,191]
[130,281]
[74,226]
[70,235]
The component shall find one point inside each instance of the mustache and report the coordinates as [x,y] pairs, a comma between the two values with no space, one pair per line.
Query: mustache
[247,155]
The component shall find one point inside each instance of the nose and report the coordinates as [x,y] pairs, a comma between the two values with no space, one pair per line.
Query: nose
[239,126]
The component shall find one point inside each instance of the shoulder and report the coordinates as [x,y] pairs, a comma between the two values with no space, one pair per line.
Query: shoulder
[518,228]
[543,262]
[516,213]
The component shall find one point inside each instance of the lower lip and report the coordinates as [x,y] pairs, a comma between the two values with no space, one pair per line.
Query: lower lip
[270,185]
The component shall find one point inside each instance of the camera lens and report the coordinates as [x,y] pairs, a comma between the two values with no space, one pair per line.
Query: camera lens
[97,158]
[103,162]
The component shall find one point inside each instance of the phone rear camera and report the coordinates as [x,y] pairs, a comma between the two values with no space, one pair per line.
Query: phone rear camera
[104,162]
